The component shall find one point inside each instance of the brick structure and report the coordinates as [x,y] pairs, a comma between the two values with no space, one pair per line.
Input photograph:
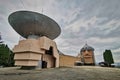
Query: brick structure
[68,61]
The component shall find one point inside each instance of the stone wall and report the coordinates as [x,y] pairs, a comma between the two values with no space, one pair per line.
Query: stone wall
[68,61]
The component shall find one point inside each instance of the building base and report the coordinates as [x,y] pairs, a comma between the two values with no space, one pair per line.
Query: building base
[33,53]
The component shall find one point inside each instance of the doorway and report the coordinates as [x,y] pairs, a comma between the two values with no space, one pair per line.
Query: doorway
[44,64]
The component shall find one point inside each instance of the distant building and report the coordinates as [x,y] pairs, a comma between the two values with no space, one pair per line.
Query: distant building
[87,55]
[68,60]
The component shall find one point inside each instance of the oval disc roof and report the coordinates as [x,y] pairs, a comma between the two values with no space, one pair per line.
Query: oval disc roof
[32,23]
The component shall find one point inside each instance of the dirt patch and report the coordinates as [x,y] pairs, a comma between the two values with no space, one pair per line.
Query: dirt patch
[74,73]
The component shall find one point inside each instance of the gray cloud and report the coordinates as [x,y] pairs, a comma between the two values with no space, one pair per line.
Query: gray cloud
[94,21]
[102,34]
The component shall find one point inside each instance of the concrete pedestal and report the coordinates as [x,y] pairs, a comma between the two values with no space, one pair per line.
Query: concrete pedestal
[30,52]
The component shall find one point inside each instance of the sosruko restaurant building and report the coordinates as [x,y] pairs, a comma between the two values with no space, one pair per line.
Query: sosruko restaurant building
[39,48]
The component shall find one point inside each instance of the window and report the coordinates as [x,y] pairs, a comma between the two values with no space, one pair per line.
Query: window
[50,51]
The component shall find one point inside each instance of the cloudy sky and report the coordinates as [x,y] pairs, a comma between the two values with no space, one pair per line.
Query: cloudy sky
[96,22]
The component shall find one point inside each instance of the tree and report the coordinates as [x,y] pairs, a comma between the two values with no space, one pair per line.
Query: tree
[108,58]
[11,59]
[6,56]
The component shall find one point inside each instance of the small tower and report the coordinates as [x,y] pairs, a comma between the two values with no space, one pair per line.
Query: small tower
[87,55]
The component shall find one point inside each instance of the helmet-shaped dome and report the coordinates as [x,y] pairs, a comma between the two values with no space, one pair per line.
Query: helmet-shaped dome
[87,47]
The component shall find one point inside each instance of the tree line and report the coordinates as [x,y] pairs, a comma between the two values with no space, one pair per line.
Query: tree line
[6,56]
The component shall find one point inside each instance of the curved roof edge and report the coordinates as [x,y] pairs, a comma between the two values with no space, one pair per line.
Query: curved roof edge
[86,47]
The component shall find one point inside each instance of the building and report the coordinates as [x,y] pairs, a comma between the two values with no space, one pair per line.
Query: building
[32,53]
[87,55]
[68,60]
[43,53]
[38,49]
